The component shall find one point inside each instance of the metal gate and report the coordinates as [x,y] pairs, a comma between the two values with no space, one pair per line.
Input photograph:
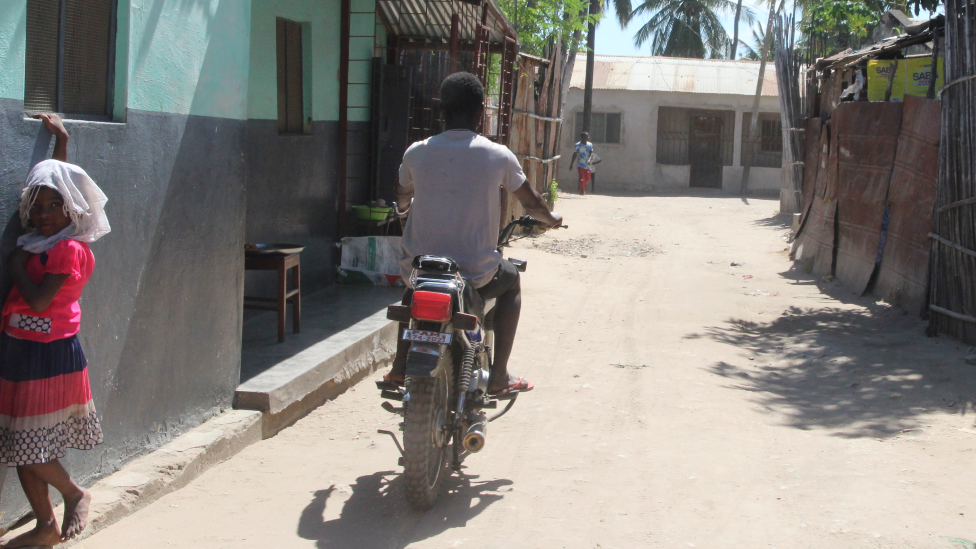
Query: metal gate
[706,151]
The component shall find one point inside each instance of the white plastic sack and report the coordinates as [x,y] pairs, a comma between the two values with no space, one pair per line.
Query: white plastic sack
[371,259]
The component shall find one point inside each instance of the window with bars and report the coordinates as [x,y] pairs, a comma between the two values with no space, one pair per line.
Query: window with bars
[769,140]
[70,57]
[674,134]
[604,127]
[291,96]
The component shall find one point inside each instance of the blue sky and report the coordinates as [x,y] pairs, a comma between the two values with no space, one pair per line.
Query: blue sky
[611,40]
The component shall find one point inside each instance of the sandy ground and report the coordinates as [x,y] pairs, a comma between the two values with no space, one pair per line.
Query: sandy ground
[681,401]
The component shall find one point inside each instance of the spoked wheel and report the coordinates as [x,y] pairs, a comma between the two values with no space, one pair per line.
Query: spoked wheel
[426,448]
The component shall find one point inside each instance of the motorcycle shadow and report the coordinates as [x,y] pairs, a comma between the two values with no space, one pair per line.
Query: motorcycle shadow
[373,512]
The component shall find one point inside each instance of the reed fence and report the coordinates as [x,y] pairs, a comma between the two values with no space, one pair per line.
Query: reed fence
[791,116]
[952,298]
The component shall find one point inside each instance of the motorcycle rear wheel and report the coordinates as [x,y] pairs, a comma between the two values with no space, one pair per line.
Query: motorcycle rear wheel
[426,442]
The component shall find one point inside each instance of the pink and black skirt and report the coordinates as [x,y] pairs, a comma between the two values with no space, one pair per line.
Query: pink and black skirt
[46,404]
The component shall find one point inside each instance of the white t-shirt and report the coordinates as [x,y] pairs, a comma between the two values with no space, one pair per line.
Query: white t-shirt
[457,176]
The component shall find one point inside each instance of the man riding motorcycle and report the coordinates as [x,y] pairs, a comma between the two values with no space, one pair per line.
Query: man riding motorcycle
[454,179]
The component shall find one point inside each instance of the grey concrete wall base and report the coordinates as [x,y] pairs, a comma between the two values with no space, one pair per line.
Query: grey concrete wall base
[353,374]
[296,386]
[171,467]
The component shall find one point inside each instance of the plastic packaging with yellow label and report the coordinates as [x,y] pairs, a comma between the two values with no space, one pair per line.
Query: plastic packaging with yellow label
[912,78]
[878,74]
[919,74]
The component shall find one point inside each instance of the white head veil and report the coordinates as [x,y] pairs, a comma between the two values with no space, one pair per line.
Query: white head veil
[84,204]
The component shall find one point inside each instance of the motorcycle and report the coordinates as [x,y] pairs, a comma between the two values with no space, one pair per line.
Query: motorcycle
[445,394]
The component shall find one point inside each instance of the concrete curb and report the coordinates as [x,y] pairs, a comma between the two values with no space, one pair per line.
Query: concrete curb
[171,467]
[298,385]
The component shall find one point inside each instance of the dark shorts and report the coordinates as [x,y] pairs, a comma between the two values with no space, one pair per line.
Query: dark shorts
[506,277]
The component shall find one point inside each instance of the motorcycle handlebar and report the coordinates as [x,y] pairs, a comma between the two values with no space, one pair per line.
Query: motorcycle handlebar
[529,221]
[526,221]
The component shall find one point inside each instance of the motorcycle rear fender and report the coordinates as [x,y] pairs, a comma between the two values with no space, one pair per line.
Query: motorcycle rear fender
[426,360]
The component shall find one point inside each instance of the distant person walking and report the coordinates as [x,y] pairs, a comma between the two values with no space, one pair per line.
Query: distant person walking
[581,160]
[594,160]
[45,398]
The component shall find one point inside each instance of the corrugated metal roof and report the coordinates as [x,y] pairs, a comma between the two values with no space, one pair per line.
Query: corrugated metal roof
[430,20]
[720,76]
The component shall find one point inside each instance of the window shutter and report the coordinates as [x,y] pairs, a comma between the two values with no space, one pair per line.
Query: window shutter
[41,76]
[87,33]
[598,127]
[613,127]
[295,99]
[291,115]
[673,135]
[768,148]
[282,36]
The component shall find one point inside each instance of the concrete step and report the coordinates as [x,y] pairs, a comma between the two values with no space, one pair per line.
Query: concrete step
[345,337]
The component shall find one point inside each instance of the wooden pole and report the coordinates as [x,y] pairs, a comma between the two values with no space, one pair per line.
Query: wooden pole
[590,64]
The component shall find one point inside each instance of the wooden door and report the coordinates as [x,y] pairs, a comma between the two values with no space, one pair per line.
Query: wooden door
[706,151]
[391,125]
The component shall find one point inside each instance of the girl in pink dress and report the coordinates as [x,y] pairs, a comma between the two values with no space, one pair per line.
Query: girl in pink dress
[45,398]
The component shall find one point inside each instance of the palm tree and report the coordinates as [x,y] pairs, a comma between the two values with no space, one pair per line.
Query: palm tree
[686,28]
[735,29]
[622,8]
[758,37]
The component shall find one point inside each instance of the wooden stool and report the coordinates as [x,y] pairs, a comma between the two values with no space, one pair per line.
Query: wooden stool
[280,263]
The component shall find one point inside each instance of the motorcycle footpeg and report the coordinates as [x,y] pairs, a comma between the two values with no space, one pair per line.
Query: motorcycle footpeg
[391,408]
[391,395]
[484,404]
[387,386]
[511,395]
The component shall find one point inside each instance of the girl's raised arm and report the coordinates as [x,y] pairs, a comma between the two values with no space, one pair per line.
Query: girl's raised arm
[54,125]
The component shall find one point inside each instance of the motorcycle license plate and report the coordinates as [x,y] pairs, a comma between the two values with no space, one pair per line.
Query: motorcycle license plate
[427,337]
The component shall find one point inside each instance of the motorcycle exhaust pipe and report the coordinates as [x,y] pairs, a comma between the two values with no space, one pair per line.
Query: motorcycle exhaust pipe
[474,439]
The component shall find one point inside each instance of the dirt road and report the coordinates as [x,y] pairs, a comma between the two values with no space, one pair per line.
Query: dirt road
[681,401]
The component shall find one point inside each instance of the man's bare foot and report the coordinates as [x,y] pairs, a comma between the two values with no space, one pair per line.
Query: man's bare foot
[75,514]
[44,535]
[512,383]
[394,377]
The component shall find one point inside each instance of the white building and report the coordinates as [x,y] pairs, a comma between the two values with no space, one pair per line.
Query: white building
[663,123]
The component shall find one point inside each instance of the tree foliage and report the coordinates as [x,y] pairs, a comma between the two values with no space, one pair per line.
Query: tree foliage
[539,21]
[685,28]
[836,25]
[758,37]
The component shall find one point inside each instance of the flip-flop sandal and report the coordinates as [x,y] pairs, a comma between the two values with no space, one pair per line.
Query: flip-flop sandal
[522,385]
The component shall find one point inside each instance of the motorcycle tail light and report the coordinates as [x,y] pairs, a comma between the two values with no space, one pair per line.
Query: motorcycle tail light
[431,306]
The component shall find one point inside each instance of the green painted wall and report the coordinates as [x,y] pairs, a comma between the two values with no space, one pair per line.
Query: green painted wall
[216,57]
[172,56]
[321,19]
[189,56]
[322,22]
[13,43]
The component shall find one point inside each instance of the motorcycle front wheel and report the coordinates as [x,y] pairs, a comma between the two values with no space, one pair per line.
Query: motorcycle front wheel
[426,439]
